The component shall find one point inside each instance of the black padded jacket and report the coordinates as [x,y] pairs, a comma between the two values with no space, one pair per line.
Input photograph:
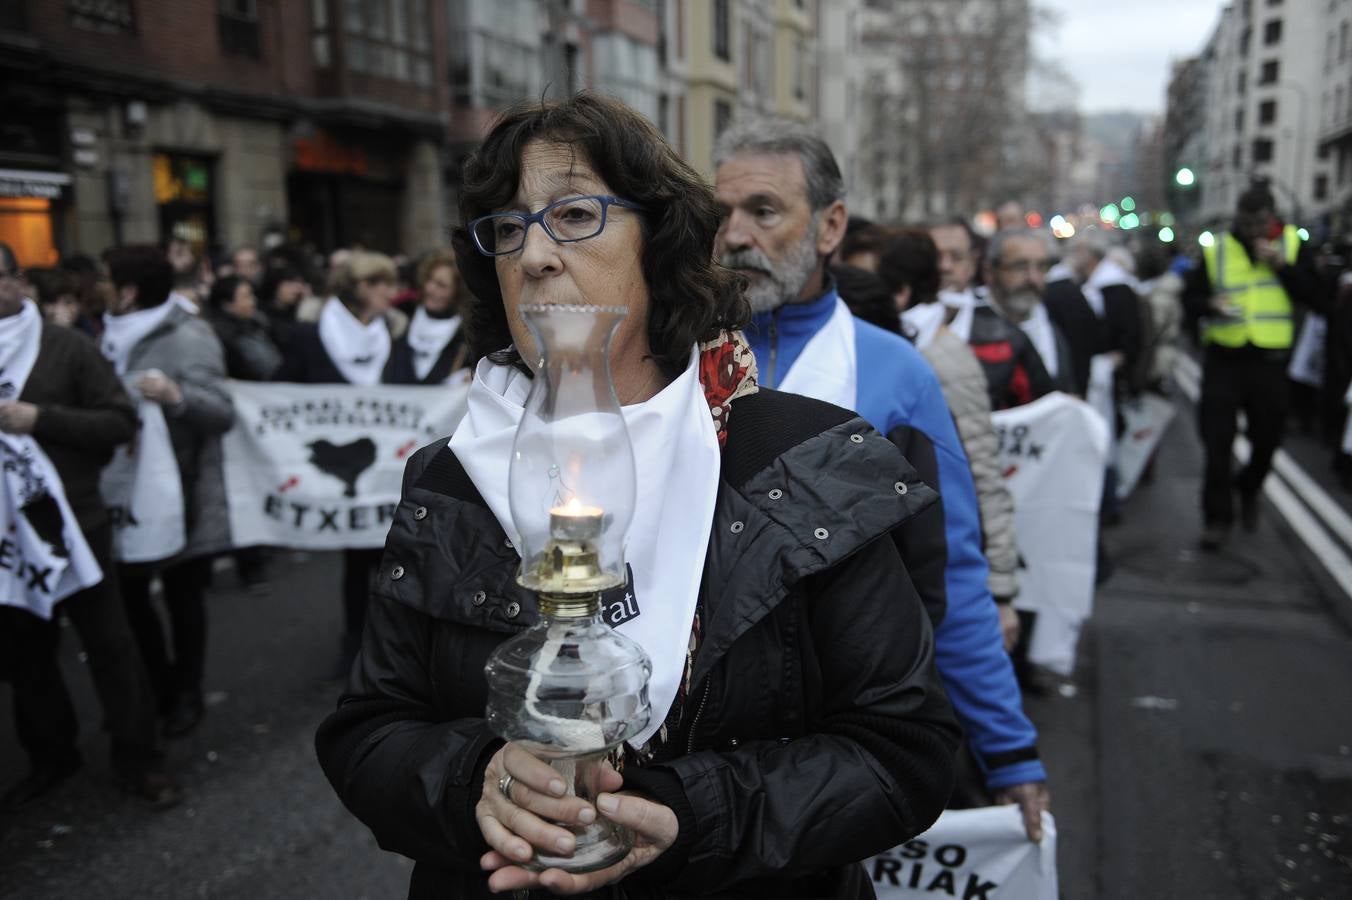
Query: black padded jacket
[822,733]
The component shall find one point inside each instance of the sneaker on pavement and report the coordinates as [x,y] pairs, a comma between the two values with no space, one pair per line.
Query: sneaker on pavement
[157,790]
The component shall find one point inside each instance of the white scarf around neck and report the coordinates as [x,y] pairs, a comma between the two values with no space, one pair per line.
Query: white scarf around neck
[20,335]
[122,333]
[923,321]
[428,337]
[1038,327]
[358,351]
[828,366]
[1106,274]
[964,304]
[677,462]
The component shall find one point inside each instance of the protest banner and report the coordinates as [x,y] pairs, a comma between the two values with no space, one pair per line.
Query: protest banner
[144,493]
[1053,453]
[321,466]
[975,854]
[44,557]
[1145,418]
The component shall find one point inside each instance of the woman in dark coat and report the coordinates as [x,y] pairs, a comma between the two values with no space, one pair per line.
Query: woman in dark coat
[804,728]
[434,349]
[350,344]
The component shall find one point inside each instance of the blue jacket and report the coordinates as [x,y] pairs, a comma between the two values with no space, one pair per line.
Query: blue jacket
[899,394]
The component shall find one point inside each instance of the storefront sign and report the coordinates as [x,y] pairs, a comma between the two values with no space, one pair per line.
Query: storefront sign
[40,185]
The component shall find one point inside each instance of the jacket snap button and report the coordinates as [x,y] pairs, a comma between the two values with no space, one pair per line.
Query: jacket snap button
[397,572]
[513,609]
[857,438]
[901,488]
[776,494]
[479,598]
[737,527]
[508,543]
[821,534]
[733,742]
[420,513]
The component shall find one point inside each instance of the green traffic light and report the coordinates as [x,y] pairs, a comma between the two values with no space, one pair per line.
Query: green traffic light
[1185,177]
[1109,213]
[1128,204]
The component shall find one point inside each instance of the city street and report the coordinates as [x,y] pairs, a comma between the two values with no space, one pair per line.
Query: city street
[1203,750]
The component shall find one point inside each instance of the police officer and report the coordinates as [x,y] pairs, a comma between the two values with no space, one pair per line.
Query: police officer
[1243,296]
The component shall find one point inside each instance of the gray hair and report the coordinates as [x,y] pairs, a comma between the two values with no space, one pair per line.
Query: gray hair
[995,247]
[776,136]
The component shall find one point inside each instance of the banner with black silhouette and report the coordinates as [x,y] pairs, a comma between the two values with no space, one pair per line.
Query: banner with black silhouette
[977,854]
[43,554]
[1053,452]
[321,466]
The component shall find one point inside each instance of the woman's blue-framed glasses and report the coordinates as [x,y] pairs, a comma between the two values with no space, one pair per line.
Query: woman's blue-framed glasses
[567,220]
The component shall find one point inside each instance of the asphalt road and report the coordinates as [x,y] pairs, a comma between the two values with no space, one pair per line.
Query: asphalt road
[1203,749]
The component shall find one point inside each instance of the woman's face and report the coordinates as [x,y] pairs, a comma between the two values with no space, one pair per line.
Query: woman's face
[243,304]
[375,295]
[63,311]
[438,291]
[605,270]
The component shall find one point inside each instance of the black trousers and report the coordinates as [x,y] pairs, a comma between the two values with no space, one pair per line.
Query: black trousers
[44,717]
[1252,381]
[184,597]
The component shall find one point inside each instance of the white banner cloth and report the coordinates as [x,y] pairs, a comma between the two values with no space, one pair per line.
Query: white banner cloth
[1146,418]
[977,854]
[144,492]
[44,557]
[1307,360]
[1053,453]
[321,466]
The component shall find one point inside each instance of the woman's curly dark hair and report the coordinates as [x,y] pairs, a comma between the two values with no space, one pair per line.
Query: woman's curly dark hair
[691,297]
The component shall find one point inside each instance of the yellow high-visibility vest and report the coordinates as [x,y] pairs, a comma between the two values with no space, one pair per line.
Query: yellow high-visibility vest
[1254,288]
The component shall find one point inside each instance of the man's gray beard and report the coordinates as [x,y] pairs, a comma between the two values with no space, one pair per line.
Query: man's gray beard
[785,280]
[1020,305]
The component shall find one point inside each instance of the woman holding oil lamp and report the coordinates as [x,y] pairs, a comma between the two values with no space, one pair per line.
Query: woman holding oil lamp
[797,724]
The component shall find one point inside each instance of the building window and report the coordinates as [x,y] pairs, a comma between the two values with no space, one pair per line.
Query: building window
[1237,157]
[184,194]
[1321,187]
[1239,120]
[1262,150]
[1342,42]
[108,16]
[800,70]
[320,47]
[389,39]
[1272,32]
[1242,83]
[237,28]
[1270,72]
[723,30]
[1245,37]
[722,116]
[1267,112]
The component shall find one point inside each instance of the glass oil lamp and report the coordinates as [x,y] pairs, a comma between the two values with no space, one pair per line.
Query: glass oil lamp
[570,688]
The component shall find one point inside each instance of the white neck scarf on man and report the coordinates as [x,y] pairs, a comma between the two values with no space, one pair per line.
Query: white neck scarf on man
[358,351]
[428,337]
[1106,274]
[923,321]
[963,304]
[828,366]
[677,462]
[20,335]
[122,333]
[1038,327]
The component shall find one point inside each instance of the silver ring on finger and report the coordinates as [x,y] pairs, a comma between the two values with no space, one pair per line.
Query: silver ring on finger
[505,786]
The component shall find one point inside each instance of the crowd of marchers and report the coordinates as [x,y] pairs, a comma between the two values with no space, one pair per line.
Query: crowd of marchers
[921,332]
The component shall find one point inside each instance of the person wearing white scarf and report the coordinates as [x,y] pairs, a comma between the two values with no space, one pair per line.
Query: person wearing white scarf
[434,350]
[63,411]
[350,344]
[445,594]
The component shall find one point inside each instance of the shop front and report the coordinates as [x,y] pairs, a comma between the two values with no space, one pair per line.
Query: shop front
[33,204]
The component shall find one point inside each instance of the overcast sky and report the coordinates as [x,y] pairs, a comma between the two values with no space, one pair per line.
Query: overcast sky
[1120,52]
